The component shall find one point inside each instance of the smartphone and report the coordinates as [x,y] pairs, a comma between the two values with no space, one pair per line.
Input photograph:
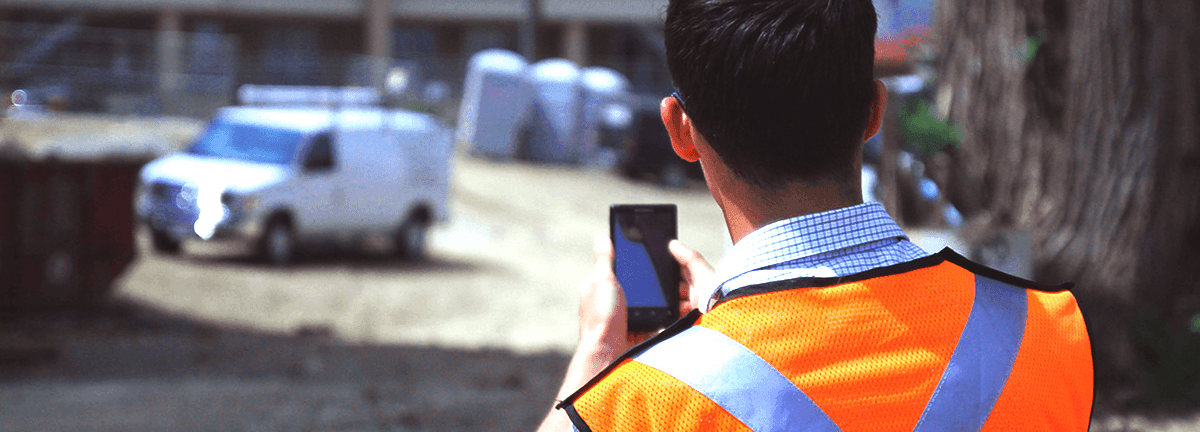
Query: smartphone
[647,272]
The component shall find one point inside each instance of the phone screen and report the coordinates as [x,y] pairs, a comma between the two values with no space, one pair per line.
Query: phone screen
[644,267]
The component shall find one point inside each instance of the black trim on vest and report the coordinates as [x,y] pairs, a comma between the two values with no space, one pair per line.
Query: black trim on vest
[576,419]
[944,255]
[1088,318]
[675,328]
[982,270]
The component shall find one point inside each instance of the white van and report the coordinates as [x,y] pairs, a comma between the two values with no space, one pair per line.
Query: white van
[282,177]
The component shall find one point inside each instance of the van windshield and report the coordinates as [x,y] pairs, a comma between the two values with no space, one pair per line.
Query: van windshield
[248,142]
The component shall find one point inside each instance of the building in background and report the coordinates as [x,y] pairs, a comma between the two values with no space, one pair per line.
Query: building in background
[126,55]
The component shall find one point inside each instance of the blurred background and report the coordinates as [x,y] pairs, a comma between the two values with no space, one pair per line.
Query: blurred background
[1051,139]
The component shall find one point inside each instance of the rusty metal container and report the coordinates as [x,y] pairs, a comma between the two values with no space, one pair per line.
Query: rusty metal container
[66,201]
[66,230]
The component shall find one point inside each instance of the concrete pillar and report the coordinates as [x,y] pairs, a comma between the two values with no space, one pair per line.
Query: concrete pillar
[379,38]
[169,53]
[576,42]
[528,30]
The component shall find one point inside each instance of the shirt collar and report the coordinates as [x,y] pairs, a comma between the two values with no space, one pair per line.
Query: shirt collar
[802,237]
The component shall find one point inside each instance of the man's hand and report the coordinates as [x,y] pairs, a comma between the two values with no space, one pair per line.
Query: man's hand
[603,329]
[602,308]
[602,305]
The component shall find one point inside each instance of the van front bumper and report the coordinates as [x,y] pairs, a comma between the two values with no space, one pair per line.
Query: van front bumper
[169,212]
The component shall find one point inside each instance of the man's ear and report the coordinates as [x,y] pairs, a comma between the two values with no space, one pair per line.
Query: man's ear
[679,127]
[878,105]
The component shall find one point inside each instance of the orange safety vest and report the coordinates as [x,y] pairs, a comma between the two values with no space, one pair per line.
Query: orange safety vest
[935,344]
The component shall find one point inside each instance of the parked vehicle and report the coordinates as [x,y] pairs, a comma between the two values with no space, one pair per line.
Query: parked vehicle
[649,153]
[283,177]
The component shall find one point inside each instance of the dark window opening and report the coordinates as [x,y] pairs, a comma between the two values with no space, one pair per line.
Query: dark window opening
[320,154]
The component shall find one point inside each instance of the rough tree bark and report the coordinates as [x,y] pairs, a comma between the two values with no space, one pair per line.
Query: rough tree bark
[1080,127]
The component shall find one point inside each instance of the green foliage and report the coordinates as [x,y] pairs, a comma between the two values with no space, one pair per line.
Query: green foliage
[924,133]
[419,106]
[1170,356]
[1032,44]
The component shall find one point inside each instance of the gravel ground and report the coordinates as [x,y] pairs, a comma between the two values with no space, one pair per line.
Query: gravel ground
[477,337]
[91,136]
[133,368]
[503,272]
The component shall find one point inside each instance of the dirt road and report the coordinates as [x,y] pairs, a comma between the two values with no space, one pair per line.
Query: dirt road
[504,270]
[475,338]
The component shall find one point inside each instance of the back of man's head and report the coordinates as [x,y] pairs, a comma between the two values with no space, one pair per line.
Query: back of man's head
[781,89]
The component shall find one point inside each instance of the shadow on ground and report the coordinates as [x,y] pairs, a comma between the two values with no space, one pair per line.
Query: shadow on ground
[127,366]
[357,261]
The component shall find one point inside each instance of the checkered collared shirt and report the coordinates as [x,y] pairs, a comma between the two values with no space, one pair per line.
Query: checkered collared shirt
[834,243]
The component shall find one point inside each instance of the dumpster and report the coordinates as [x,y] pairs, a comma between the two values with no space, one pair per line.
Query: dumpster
[67,230]
[66,207]
[553,127]
[607,117]
[495,103]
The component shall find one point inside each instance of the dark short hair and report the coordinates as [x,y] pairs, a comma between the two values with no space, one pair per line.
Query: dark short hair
[781,89]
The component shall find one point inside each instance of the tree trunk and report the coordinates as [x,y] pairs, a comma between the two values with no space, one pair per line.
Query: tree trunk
[1080,127]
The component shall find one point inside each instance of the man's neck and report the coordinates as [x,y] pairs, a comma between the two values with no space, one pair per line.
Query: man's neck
[748,207]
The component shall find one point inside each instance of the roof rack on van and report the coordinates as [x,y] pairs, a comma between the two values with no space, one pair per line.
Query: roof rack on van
[253,94]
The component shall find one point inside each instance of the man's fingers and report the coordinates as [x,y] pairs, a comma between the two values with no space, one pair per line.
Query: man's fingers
[602,250]
[692,262]
[696,273]
[602,254]
[601,290]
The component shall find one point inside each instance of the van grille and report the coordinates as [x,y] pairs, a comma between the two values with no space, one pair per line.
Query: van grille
[169,206]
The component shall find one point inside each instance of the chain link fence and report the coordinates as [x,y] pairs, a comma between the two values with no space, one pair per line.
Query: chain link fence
[71,67]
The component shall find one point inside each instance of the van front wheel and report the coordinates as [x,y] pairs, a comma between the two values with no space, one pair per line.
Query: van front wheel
[163,243]
[278,243]
[411,239]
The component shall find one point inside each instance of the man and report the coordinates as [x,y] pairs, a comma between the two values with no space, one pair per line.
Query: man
[822,316]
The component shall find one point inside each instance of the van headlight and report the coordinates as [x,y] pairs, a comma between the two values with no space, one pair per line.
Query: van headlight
[238,203]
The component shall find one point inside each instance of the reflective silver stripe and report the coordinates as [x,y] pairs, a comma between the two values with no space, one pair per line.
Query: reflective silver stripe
[982,361]
[738,380]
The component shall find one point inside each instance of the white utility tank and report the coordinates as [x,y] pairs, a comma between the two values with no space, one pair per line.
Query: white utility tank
[496,103]
[554,125]
[607,117]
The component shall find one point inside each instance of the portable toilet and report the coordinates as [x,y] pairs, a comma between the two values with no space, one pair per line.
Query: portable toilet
[554,125]
[607,117]
[495,103]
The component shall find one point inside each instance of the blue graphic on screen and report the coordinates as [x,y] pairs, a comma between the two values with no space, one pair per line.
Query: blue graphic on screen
[635,269]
